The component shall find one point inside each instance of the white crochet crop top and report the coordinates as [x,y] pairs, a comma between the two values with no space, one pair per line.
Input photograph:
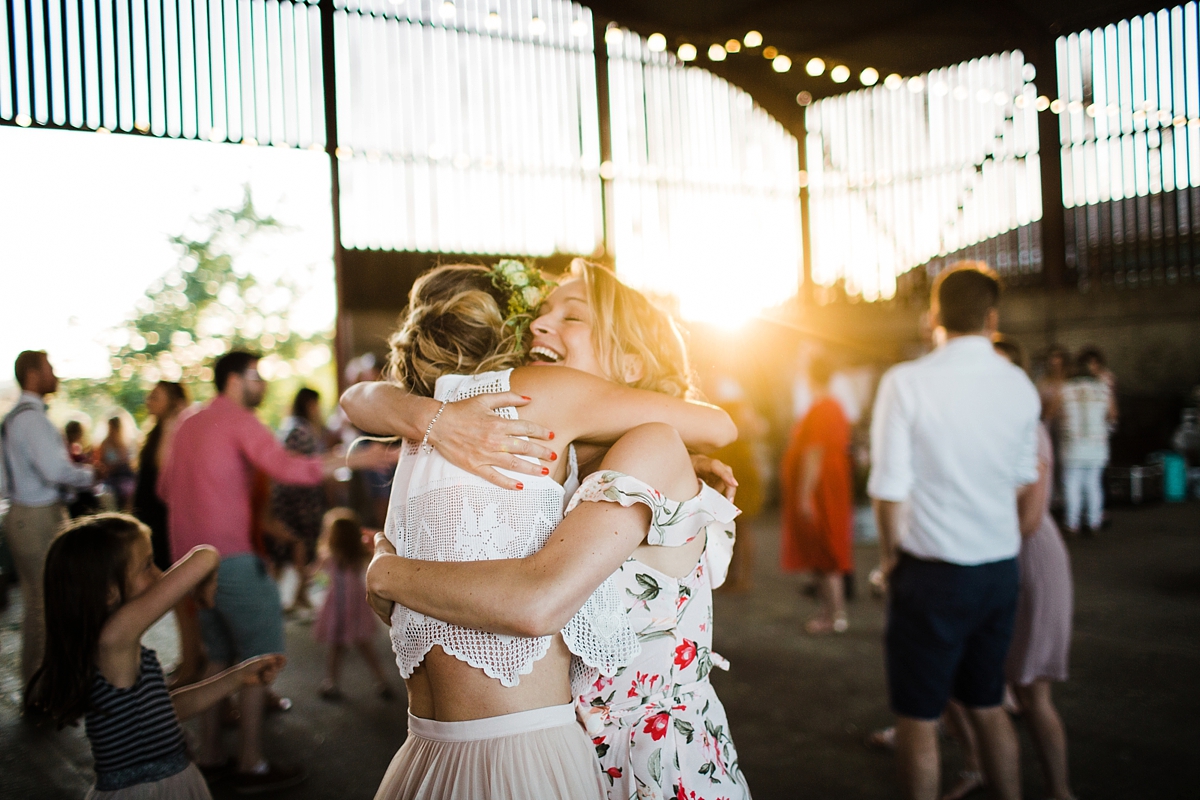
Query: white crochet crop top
[438,512]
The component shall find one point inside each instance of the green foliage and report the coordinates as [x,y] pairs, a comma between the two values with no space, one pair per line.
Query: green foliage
[203,307]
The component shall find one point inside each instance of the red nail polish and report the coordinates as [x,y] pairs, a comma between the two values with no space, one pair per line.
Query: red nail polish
[545,470]
[523,397]
[551,434]
[520,486]
[554,456]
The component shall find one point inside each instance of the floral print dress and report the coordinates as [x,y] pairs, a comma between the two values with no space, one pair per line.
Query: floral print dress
[658,727]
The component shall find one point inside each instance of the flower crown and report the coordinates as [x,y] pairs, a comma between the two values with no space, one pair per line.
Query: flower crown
[526,288]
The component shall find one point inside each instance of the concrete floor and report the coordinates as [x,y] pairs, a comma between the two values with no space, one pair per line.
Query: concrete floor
[799,707]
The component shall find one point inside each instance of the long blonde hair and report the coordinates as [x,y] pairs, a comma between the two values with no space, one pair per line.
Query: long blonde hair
[454,324]
[626,323]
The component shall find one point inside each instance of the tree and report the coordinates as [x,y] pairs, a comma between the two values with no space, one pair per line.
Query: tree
[203,307]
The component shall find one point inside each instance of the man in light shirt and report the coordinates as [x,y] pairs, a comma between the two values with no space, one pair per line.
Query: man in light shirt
[36,470]
[953,441]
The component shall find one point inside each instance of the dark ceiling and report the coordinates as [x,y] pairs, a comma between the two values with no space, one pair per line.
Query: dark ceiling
[902,36]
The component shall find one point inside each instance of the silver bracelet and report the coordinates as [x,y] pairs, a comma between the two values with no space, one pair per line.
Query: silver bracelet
[425,441]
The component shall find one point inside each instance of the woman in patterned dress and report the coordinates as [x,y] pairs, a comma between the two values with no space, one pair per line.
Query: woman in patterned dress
[657,725]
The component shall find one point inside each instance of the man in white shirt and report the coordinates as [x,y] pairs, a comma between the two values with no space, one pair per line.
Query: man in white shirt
[953,441]
[36,468]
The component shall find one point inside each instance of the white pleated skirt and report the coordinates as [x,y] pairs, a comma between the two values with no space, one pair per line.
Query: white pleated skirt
[541,754]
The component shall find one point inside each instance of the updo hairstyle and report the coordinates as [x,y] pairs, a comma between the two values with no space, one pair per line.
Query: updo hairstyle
[454,324]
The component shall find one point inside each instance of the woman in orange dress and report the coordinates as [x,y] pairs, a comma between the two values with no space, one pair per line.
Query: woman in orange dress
[817,501]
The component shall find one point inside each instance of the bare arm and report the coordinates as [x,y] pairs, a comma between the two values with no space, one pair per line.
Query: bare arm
[468,433]
[198,697]
[887,519]
[127,624]
[1031,499]
[532,596]
[591,409]
[810,476]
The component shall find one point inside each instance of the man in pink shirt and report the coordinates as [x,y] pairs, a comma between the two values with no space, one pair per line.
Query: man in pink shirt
[206,482]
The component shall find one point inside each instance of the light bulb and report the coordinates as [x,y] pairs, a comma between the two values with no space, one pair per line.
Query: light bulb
[840,73]
[869,76]
[770,51]
[537,26]
[916,84]
[815,66]
[716,52]
[1028,72]
[893,81]
[781,63]
[656,42]
[752,39]
[493,21]
[613,35]
[1057,106]
[686,52]
[733,46]
[579,29]
[804,99]
[1043,102]
[448,10]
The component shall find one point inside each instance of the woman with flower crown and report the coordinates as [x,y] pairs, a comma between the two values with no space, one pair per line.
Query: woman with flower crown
[492,715]
[656,725]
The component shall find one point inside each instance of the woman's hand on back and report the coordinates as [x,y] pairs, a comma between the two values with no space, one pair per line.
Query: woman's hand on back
[716,474]
[472,437]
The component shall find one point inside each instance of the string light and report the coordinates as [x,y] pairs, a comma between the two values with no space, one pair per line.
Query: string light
[781,63]
[1028,72]
[613,35]
[716,52]
[448,10]
[656,42]
[840,73]
[804,99]
[686,52]
[733,46]
[537,27]
[1058,106]
[770,51]
[893,82]
[916,84]
[753,39]
[579,28]
[815,66]
[493,21]
[869,76]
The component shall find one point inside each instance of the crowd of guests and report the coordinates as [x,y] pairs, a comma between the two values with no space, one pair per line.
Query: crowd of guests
[195,522]
[966,458]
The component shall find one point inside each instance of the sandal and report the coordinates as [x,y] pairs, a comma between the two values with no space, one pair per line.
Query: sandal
[820,626]
[970,781]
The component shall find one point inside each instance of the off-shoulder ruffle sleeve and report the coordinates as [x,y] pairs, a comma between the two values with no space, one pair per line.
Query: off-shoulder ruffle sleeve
[672,523]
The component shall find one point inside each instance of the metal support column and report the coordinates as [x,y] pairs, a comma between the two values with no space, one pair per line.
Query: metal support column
[341,339]
[599,27]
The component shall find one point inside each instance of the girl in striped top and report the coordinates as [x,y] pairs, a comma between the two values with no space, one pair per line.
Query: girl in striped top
[102,591]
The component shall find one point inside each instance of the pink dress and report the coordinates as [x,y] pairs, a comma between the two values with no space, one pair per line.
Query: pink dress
[345,618]
[1041,640]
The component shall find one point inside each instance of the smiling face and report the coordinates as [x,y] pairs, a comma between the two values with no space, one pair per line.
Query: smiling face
[562,332]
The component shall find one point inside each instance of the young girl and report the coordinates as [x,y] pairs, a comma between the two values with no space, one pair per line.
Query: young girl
[102,591]
[345,618]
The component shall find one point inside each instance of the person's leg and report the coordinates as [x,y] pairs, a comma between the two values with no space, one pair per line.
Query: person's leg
[917,758]
[31,531]
[300,564]
[368,653]
[971,777]
[250,731]
[999,751]
[210,752]
[191,647]
[831,614]
[1094,494]
[333,668]
[1073,485]
[1049,737]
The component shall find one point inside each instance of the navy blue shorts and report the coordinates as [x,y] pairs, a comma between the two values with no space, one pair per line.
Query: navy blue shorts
[948,631]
